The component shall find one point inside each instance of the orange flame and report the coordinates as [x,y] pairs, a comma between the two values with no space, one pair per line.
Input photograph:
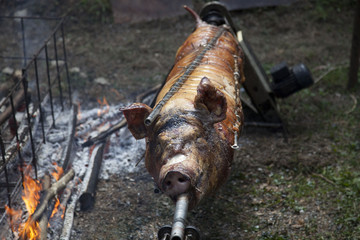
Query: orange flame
[15,217]
[31,193]
[31,197]
[102,104]
[58,172]
[56,207]
[63,211]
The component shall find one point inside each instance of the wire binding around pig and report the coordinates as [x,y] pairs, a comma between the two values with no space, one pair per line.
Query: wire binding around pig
[189,142]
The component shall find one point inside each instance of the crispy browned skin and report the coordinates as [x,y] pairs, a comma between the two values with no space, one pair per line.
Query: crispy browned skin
[195,128]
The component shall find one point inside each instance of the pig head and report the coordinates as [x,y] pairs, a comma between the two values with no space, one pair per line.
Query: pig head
[187,146]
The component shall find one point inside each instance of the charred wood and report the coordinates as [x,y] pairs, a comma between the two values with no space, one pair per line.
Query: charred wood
[87,198]
[71,128]
[103,135]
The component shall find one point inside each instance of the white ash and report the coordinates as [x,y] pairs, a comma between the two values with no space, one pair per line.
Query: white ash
[123,154]
[120,157]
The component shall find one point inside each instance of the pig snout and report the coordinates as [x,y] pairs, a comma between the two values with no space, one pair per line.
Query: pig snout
[175,184]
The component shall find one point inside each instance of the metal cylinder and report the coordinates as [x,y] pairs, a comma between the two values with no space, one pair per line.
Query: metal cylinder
[178,227]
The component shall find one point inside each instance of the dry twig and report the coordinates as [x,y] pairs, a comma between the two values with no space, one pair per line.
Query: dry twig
[324,178]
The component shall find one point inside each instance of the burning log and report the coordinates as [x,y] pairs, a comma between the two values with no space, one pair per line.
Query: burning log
[87,198]
[44,220]
[51,192]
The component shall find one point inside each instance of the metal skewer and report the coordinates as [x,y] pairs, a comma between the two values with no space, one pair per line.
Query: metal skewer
[178,227]
[181,80]
[178,231]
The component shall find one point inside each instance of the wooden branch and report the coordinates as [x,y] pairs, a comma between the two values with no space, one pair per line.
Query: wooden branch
[44,219]
[324,178]
[4,89]
[19,97]
[103,135]
[51,192]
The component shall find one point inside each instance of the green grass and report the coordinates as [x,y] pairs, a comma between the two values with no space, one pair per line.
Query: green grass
[333,188]
[96,10]
[324,8]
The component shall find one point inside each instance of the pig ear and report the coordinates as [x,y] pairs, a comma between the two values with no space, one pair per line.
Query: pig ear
[135,115]
[211,99]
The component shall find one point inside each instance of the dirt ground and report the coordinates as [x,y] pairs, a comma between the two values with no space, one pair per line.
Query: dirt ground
[302,186]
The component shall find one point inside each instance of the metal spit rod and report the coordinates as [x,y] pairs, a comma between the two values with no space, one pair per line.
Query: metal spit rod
[181,80]
[178,227]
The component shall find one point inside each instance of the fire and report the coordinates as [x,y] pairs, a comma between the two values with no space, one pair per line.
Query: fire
[58,172]
[56,207]
[102,104]
[15,217]
[31,193]
[31,198]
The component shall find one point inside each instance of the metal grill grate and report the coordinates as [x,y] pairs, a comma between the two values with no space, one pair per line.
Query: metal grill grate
[42,83]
